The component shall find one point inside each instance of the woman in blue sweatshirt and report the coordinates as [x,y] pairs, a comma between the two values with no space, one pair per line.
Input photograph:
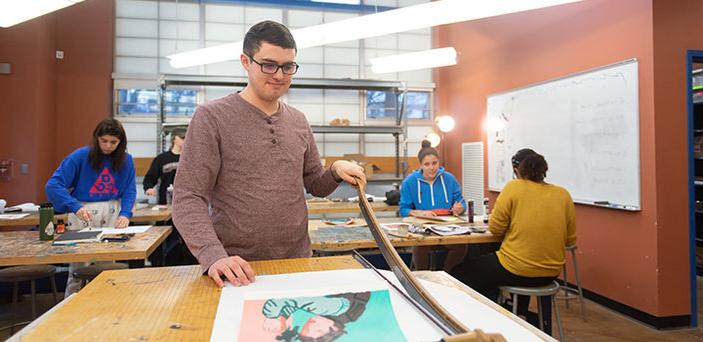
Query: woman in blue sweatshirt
[95,184]
[431,191]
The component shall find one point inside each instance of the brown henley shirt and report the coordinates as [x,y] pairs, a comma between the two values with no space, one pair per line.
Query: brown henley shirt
[251,168]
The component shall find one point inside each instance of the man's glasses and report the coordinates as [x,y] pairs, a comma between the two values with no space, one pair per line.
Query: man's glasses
[272,68]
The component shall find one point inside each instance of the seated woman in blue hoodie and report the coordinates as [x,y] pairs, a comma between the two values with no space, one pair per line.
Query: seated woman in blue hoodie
[431,191]
[95,185]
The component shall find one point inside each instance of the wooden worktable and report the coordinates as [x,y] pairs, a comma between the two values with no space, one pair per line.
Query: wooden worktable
[142,215]
[25,248]
[329,207]
[174,303]
[155,304]
[337,238]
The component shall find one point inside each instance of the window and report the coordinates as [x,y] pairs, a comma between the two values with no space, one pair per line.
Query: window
[383,104]
[135,101]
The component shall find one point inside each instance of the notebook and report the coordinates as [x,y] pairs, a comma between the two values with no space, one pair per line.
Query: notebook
[71,237]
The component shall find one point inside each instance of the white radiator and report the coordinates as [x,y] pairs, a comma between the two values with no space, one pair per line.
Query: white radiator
[472,174]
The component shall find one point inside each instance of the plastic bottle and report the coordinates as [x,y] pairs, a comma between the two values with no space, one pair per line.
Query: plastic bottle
[169,194]
[486,211]
[60,227]
[46,222]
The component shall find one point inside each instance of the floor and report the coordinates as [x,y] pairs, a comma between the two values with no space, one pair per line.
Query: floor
[602,324]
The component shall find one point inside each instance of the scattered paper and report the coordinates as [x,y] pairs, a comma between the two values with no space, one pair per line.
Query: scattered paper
[12,216]
[127,230]
[24,207]
[448,229]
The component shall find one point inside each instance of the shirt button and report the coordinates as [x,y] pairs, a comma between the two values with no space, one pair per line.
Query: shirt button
[273,131]
[269,121]
[274,141]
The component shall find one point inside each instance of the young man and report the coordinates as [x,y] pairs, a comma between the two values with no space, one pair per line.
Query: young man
[163,167]
[248,157]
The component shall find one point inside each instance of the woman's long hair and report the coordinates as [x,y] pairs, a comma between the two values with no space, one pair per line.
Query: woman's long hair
[108,127]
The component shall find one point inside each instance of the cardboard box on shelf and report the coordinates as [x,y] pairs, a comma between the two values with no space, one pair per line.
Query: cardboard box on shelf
[369,168]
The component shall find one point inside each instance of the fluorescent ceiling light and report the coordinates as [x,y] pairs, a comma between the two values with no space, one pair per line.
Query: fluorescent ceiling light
[414,60]
[399,20]
[16,11]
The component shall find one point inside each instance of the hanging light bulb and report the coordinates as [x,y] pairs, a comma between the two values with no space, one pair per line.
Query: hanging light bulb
[445,123]
[433,138]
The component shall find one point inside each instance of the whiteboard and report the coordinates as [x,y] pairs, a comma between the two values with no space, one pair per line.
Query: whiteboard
[585,125]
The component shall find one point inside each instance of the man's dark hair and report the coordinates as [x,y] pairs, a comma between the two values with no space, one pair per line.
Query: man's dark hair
[530,164]
[267,31]
[108,127]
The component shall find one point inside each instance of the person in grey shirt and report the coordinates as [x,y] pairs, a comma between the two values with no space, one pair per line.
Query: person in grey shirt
[248,157]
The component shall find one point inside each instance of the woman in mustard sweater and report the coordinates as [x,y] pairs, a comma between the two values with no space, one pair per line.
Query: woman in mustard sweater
[536,221]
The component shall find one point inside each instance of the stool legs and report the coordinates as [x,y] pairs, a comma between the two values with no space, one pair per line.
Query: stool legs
[52,279]
[556,313]
[566,279]
[578,286]
[15,290]
[34,298]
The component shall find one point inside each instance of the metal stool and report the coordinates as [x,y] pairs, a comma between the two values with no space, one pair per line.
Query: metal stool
[541,291]
[31,273]
[88,273]
[576,290]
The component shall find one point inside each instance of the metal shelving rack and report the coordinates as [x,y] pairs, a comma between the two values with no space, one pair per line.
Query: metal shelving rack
[399,129]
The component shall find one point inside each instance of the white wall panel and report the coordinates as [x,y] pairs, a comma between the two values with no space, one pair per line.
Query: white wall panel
[136,28]
[179,11]
[224,13]
[344,56]
[224,32]
[310,55]
[179,30]
[136,9]
[136,47]
[136,65]
[253,15]
[341,71]
[414,42]
[304,18]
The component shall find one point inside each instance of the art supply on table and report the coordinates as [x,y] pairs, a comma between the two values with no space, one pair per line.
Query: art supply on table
[116,237]
[338,221]
[60,227]
[486,210]
[46,222]
[399,229]
[448,229]
[470,211]
[74,237]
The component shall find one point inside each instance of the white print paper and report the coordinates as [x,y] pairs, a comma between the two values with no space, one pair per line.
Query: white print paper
[12,216]
[126,230]
[414,325]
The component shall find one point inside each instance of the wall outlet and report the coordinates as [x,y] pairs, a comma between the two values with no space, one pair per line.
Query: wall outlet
[24,169]
[6,170]
[59,54]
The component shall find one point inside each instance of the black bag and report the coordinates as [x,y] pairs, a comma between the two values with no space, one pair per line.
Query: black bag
[393,197]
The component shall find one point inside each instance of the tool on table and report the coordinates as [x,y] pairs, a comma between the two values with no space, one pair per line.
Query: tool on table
[455,330]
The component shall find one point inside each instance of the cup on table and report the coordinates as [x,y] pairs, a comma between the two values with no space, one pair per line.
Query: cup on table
[2,205]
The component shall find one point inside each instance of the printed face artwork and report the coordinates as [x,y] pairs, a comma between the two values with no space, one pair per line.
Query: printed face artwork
[362,316]
[108,143]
